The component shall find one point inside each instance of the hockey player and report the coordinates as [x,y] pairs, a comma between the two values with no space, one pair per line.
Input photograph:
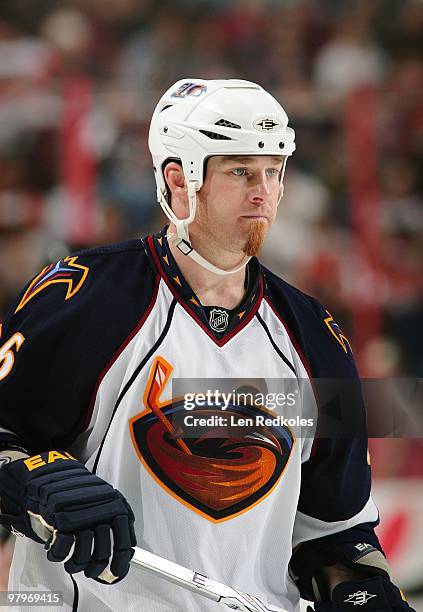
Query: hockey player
[96,451]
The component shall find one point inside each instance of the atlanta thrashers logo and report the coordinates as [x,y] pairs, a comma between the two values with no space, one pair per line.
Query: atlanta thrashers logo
[65,272]
[189,90]
[336,332]
[222,471]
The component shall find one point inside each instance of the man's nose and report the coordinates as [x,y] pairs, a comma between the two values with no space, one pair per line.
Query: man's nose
[259,189]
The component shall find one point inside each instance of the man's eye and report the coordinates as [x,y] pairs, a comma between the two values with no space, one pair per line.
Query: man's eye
[272,172]
[239,171]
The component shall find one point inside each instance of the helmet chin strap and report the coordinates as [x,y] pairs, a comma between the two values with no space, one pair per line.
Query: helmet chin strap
[181,238]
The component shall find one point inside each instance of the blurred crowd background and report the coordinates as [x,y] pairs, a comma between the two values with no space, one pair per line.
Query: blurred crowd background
[78,83]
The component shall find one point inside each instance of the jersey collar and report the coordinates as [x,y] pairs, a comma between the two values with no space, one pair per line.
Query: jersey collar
[222,324]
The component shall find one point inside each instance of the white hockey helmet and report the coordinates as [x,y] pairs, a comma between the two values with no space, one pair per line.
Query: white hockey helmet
[196,119]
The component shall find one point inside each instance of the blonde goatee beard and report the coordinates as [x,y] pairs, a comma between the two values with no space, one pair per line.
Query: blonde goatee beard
[255,238]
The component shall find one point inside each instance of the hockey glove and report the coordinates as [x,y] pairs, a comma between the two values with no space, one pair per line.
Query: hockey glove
[375,594]
[52,498]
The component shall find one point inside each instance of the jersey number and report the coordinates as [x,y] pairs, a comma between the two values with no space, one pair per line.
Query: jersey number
[7,356]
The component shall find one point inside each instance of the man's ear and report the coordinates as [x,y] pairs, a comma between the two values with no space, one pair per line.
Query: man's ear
[175,180]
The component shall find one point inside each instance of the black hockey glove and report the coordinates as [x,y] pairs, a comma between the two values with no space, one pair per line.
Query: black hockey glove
[375,594]
[52,498]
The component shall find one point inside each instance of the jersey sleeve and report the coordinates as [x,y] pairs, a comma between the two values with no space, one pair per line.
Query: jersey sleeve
[335,503]
[59,336]
[335,492]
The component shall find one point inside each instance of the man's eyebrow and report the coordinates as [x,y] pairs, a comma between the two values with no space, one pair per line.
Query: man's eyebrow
[244,160]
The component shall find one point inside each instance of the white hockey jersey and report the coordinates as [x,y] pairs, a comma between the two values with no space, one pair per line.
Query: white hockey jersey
[113,339]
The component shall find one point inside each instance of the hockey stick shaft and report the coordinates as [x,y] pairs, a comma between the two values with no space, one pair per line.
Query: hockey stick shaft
[171,571]
[198,583]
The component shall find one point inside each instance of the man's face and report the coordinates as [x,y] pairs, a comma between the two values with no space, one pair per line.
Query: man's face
[238,202]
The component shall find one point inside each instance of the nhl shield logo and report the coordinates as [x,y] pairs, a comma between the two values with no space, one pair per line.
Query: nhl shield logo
[218,320]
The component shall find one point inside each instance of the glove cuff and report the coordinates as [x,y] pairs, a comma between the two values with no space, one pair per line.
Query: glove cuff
[375,594]
[14,478]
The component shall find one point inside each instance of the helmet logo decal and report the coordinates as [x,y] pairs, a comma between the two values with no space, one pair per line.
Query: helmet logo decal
[219,320]
[189,90]
[266,124]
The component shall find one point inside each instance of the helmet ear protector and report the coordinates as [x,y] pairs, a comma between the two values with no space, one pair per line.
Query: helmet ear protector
[196,119]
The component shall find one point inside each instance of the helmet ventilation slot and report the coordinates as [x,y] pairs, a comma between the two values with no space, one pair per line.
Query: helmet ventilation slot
[228,124]
[214,136]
